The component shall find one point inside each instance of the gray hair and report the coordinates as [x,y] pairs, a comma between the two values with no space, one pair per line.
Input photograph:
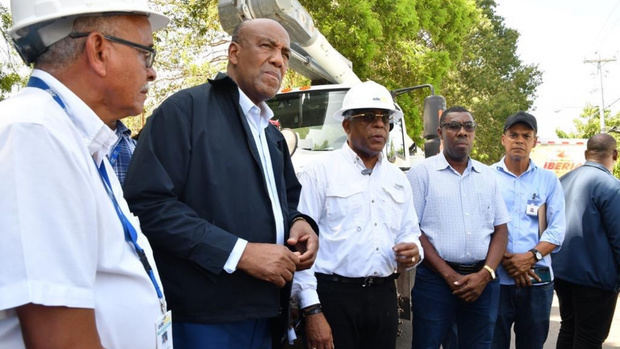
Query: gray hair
[67,50]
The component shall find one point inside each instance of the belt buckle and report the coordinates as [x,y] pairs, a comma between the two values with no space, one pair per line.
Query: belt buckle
[368,281]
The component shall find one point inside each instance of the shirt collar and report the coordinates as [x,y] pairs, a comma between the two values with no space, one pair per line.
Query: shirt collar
[257,114]
[122,130]
[501,165]
[351,155]
[98,137]
[597,165]
[441,163]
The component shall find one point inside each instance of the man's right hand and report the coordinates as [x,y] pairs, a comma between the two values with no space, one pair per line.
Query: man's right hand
[318,332]
[269,262]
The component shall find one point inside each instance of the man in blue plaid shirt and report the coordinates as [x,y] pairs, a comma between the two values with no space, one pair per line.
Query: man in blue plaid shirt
[121,153]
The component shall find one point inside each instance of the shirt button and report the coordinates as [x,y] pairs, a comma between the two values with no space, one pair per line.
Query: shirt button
[375,224]
[359,229]
[467,214]
[372,201]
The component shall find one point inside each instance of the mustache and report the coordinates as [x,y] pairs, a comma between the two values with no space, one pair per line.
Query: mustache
[145,88]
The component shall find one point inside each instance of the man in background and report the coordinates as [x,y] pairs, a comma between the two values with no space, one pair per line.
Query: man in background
[587,268]
[463,222]
[535,202]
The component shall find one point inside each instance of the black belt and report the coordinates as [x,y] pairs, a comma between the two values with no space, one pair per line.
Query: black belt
[362,281]
[467,268]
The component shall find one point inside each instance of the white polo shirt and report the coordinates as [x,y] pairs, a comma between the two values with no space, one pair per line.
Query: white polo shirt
[62,241]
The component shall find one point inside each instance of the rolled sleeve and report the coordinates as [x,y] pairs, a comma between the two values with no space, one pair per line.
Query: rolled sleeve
[556,216]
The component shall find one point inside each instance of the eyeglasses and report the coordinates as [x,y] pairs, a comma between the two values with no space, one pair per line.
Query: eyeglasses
[469,126]
[370,116]
[149,52]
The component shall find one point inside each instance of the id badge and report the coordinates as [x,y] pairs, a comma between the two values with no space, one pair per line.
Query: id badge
[532,209]
[533,206]
[163,328]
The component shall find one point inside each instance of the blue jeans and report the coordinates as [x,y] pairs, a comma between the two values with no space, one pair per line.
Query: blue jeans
[436,309]
[529,309]
[248,334]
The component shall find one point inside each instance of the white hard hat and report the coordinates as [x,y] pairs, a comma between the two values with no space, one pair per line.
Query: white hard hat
[37,24]
[368,95]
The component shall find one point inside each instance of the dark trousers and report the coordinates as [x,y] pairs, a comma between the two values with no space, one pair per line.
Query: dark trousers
[360,317]
[586,314]
[436,310]
[248,334]
[528,308]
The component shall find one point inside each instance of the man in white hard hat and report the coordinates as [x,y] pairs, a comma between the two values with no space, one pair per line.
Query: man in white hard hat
[369,229]
[78,273]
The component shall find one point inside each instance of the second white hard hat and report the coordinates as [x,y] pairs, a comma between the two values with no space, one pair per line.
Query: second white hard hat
[368,95]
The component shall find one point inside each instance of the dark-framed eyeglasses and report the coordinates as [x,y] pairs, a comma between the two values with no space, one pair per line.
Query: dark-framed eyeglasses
[455,126]
[371,116]
[149,52]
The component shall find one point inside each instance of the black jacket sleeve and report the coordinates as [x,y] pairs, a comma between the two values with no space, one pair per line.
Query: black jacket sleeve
[155,185]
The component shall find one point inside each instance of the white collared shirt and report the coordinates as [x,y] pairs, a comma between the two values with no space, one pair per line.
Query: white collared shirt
[62,241]
[360,218]
[258,120]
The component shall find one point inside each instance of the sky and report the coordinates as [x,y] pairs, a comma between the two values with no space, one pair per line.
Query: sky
[558,35]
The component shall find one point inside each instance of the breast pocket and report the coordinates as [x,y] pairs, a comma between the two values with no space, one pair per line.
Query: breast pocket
[392,205]
[343,207]
[486,206]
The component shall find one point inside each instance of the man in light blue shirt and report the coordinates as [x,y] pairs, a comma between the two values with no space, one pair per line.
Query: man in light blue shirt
[463,222]
[535,201]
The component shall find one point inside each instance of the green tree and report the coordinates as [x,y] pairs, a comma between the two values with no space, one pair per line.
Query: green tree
[588,124]
[491,80]
[11,77]
[398,43]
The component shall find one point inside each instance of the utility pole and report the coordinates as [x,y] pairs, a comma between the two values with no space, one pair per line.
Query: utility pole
[599,66]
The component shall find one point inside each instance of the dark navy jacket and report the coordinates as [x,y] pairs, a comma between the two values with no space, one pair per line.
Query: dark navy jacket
[196,183]
[590,254]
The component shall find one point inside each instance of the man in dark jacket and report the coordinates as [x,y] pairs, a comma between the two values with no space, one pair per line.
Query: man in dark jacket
[587,268]
[214,187]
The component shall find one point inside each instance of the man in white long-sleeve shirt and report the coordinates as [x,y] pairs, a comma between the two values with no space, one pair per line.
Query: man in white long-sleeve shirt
[369,229]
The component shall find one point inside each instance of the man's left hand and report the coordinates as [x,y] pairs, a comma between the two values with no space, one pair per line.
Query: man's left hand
[517,263]
[305,241]
[407,254]
[471,286]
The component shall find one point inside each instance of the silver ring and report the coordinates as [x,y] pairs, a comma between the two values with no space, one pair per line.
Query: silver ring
[413,259]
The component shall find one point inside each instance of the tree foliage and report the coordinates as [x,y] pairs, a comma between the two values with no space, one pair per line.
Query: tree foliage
[398,43]
[491,80]
[10,76]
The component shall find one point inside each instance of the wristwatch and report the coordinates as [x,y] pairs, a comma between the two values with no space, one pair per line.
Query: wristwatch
[537,255]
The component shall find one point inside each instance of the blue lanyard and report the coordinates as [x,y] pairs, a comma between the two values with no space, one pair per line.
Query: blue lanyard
[130,232]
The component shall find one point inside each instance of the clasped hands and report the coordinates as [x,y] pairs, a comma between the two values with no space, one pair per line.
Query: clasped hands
[277,263]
